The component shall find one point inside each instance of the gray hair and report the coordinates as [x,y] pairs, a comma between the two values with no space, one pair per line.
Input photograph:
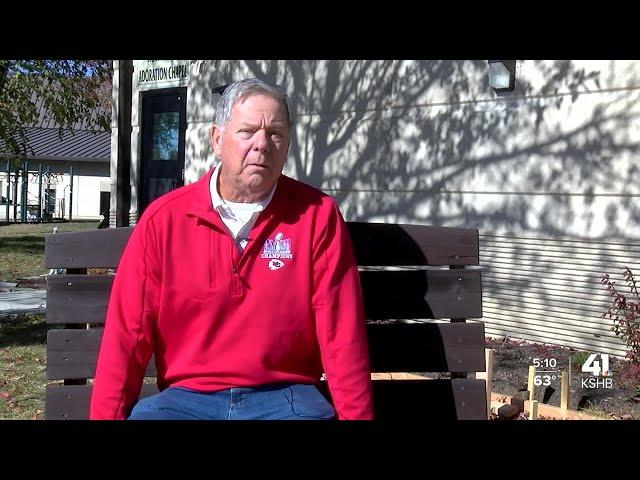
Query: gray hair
[242,88]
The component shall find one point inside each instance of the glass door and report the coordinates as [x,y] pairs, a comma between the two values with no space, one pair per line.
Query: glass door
[163,138]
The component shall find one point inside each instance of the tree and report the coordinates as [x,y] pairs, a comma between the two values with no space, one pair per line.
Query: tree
[71,92]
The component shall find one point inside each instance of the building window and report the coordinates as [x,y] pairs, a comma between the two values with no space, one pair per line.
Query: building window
[165,136]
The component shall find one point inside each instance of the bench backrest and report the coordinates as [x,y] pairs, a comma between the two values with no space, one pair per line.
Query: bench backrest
[416,317]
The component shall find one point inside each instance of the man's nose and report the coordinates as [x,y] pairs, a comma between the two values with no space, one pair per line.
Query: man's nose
[261,141]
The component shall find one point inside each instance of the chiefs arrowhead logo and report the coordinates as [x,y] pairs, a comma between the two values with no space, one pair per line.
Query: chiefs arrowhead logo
[275,264]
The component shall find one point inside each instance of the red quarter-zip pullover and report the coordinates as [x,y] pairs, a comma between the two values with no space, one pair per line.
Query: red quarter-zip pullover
[285,309]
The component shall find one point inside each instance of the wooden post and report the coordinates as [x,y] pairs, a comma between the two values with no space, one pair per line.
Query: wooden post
[487,376]
[564,393]
[530,384]
[533,410]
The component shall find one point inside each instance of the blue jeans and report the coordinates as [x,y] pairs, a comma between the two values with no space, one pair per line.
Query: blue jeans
[268,402]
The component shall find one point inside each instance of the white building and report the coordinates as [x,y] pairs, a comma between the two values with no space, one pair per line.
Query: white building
[86,152]
[546,171]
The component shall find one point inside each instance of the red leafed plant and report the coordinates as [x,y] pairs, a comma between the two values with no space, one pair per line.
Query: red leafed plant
[625,313]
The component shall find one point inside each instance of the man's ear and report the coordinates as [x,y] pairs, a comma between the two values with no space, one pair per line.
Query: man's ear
[216,139]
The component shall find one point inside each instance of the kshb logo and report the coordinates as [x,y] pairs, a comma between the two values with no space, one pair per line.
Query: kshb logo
[593,366]
[597,369]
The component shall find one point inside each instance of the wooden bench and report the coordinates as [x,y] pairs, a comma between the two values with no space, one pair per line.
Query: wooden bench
[416,315]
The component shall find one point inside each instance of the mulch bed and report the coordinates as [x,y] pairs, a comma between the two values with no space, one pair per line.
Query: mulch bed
[512,359]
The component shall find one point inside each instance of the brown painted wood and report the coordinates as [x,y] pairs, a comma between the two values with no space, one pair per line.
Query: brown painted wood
[411,400]
[396,347]
[374,243]
[72,402]
[422,294]
[395,244]
[88,249]
[463,399]
[387,294]
[426,347]
[78,298]
[72,354]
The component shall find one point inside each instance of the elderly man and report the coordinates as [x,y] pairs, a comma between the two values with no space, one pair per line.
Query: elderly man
[243,285]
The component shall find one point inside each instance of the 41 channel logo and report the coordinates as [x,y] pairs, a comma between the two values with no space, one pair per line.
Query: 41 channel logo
[599,370]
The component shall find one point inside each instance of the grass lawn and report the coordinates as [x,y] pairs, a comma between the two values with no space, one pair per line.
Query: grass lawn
[22,366]
[22,247]
[23,337]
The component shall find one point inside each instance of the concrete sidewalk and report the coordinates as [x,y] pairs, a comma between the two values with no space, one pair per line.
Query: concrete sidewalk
[23,300]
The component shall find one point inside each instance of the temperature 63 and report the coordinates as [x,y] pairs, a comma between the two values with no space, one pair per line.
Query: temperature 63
[543,380]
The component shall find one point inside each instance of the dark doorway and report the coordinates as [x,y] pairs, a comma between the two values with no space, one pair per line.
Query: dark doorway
[49,204]
[163,137]
[105,203]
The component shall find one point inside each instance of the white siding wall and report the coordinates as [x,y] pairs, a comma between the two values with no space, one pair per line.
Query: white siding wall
[549,290]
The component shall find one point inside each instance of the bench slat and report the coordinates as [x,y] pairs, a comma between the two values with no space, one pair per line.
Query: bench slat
[77,298]
[389,244]
[462,399]
[427,347]
[72,354]
[71,402]
[422,294]
[374,244]
[88,249]
[397,347]
[387,294]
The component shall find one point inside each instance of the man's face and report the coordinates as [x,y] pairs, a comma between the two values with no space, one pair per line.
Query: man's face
[253,147]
